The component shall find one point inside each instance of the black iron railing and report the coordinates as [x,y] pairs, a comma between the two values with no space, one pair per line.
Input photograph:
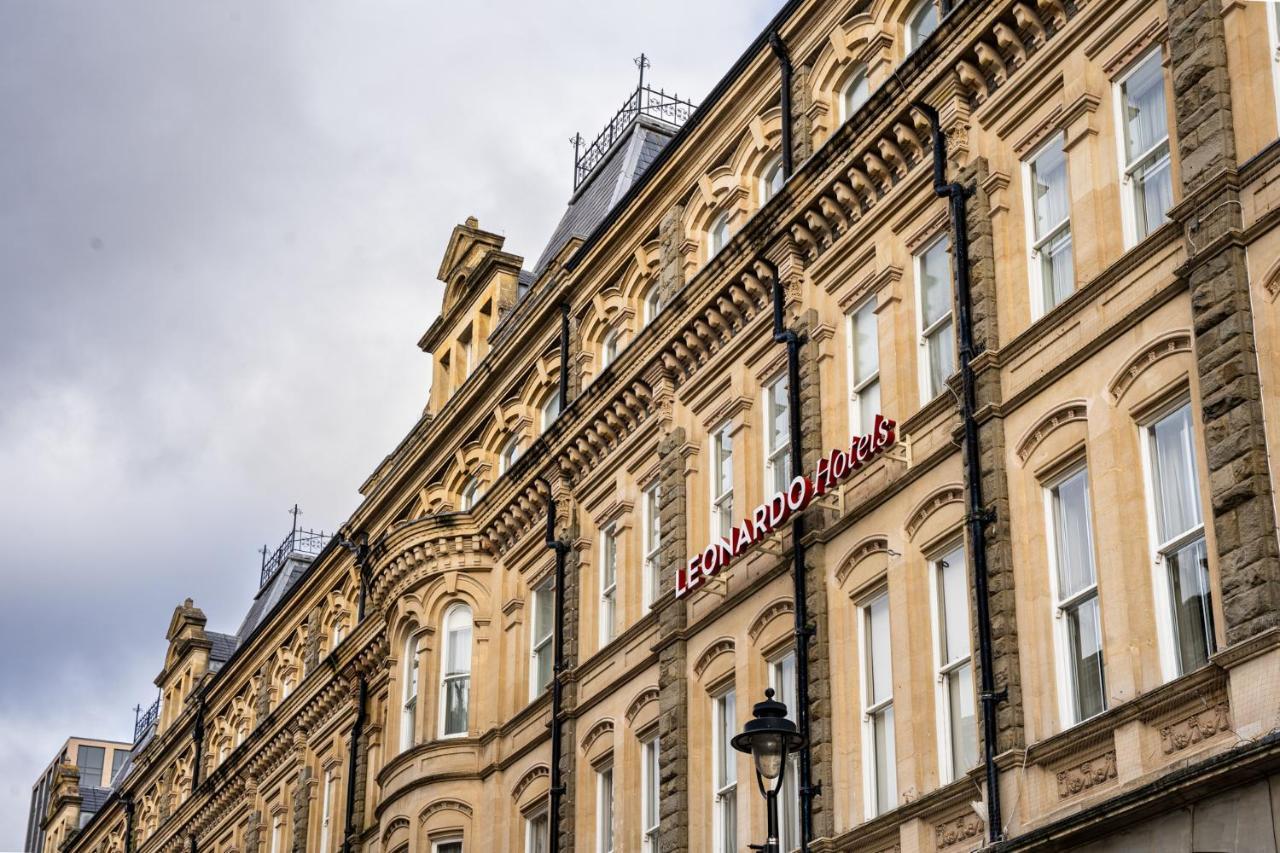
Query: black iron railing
[142,721]
[310,542]
[644,101]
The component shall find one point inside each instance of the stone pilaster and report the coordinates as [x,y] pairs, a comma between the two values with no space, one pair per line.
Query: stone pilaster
[567,524]
[670,260]
[302,810]
[1240,489]
[360,778]
[673,682]
[801,114]
[253,832]
[993,473]
[262,702]
[315,630]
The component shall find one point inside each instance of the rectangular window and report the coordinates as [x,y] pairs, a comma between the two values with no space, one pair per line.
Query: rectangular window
[937,340]
[453,845]
[536,834]
[777,433]
[543,627]
[652,544]
[725,773]
[90,760]
[864,368]
[604,810]
[608,585]
[409,706]
[1076,600]
[277,833]
[1145,159]
[956,697]
[1182,561]
[118,759]
[782,678]
[880,780]
[326,812]
[721,482]
[649,781]
[1049,215]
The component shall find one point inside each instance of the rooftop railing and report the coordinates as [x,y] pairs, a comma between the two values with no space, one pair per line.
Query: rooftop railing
[644,101]
[299,541]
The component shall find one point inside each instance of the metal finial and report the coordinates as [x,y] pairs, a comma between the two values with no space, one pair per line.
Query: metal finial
[642,62]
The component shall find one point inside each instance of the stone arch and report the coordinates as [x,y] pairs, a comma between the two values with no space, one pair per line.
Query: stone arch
[937,499]
[1164,346]
[716,648]
[1060,416]
[530,776]
[775,609]
[642,699]
[874,544]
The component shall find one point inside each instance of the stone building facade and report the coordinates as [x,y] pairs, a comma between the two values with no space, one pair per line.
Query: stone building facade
[1122,171]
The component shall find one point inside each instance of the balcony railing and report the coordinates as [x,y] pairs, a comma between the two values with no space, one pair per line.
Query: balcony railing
[644,101]
[142,721]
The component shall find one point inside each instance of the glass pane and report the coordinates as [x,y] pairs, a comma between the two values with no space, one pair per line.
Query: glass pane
[449,847]
[1193,616]
[942,357]
[729,821]
[868,407]
[538,841]
[90,760]
[610,567]
[1153,191]
[1145,121]
[922,24]
[1085,637]
[606,810]
[784,683]
[935,283]
[1057,269]
[856,93]
[881,681]
[789,805]
[1072,535]
[964,728]
[779,422]
[882,728]
[117,761]
[953,605]
[654,521]
[455,709]
[459,642]
[544,666]
[724,461]
[866,349]
[1177,489]
[1049,188]
[544,610]
[725,724]
[651,787]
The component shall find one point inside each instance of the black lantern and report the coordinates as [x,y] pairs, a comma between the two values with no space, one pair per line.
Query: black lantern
[770,737]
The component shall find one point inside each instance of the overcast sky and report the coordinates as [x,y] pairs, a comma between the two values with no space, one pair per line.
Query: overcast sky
[220,224]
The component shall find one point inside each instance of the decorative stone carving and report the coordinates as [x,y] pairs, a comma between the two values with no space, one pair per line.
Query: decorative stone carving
[957,831]
[1191,730]
[1087,774]
[1074,411]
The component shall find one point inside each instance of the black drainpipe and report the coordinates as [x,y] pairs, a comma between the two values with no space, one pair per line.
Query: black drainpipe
[976,514]
[803,630]
[197,734]
[192,838]
[128,824]
[353,755]
[784,64]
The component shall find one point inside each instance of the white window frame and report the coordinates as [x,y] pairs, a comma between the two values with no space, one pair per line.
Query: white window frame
[1063,660]
[912,39]
[544,645]
[942,669]
[1128,202]
[1036,245]
[871,792]
[777,448]
[409,693]
[438,845]
[718,234]
[652,304]
[859,76]
[858,388]
[531,830]
[336,636]
[650,793]
[326,811]
[606,835]
[772,171]
[277,831]
[610,348]
[723,727]
[471,492]
[924,348]
[721,502]
[549,411]
[651,524]
[608,611]
[789,829]
[446,677]
[1166,633]
[509,454]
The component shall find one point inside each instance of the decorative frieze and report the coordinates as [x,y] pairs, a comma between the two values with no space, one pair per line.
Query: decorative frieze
[1085,775]
[1193,729]
[957,831]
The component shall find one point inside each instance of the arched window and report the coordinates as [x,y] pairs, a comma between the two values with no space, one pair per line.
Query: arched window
[550,410]
[855,93]
[509,454]
[455,671]
[652,304]
[409,707]
[610,350]
[471,493]
[717,235]
[921,23]
[772,180]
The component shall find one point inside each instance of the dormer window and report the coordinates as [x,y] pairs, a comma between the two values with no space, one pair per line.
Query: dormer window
[921,23]
[717,235]
[471,493]
[855,93]
[772,180]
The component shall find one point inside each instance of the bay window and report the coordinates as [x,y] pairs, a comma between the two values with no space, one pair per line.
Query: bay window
[455,672]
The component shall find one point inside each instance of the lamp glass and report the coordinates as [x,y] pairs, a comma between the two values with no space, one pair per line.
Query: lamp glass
[767,749]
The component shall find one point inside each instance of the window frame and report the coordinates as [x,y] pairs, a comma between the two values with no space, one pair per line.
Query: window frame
[1127,165]
[1170,657]
[608,579]
[410,691]
[651,542]
[326,811]
[769,175]
[438,845]
[650,792]
[718,234]
[652,304]
[509,453]
[871,709]
[539,646]
[911,37]
[925,333]
[777,457]
[857,388]
[610,347]
[1066,676]
[860,76]
[789,828]
[721,502]
[1036,245]
[549,411]
[471,492]
[943,665]
[606,793]
[446,646]
[530,830]
[724,710]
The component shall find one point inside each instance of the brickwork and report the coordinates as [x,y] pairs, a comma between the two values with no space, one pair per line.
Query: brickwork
[992,455]
[1240,489]
[673,683]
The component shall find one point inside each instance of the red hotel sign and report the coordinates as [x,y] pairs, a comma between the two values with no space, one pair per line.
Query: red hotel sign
[770,516]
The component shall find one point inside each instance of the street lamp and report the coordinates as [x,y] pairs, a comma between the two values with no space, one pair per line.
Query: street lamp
[769,736]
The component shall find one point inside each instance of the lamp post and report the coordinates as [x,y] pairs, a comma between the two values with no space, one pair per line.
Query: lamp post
[769,736]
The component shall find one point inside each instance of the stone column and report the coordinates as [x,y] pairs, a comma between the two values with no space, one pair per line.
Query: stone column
[673,681]
[1240,489]
[993,473]
[302,810]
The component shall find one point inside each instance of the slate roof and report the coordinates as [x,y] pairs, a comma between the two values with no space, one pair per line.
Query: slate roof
[630,156]
[224,645]
[271,594]
[92,798]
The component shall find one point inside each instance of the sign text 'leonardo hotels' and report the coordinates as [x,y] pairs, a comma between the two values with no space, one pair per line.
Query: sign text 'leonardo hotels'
[769,516]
